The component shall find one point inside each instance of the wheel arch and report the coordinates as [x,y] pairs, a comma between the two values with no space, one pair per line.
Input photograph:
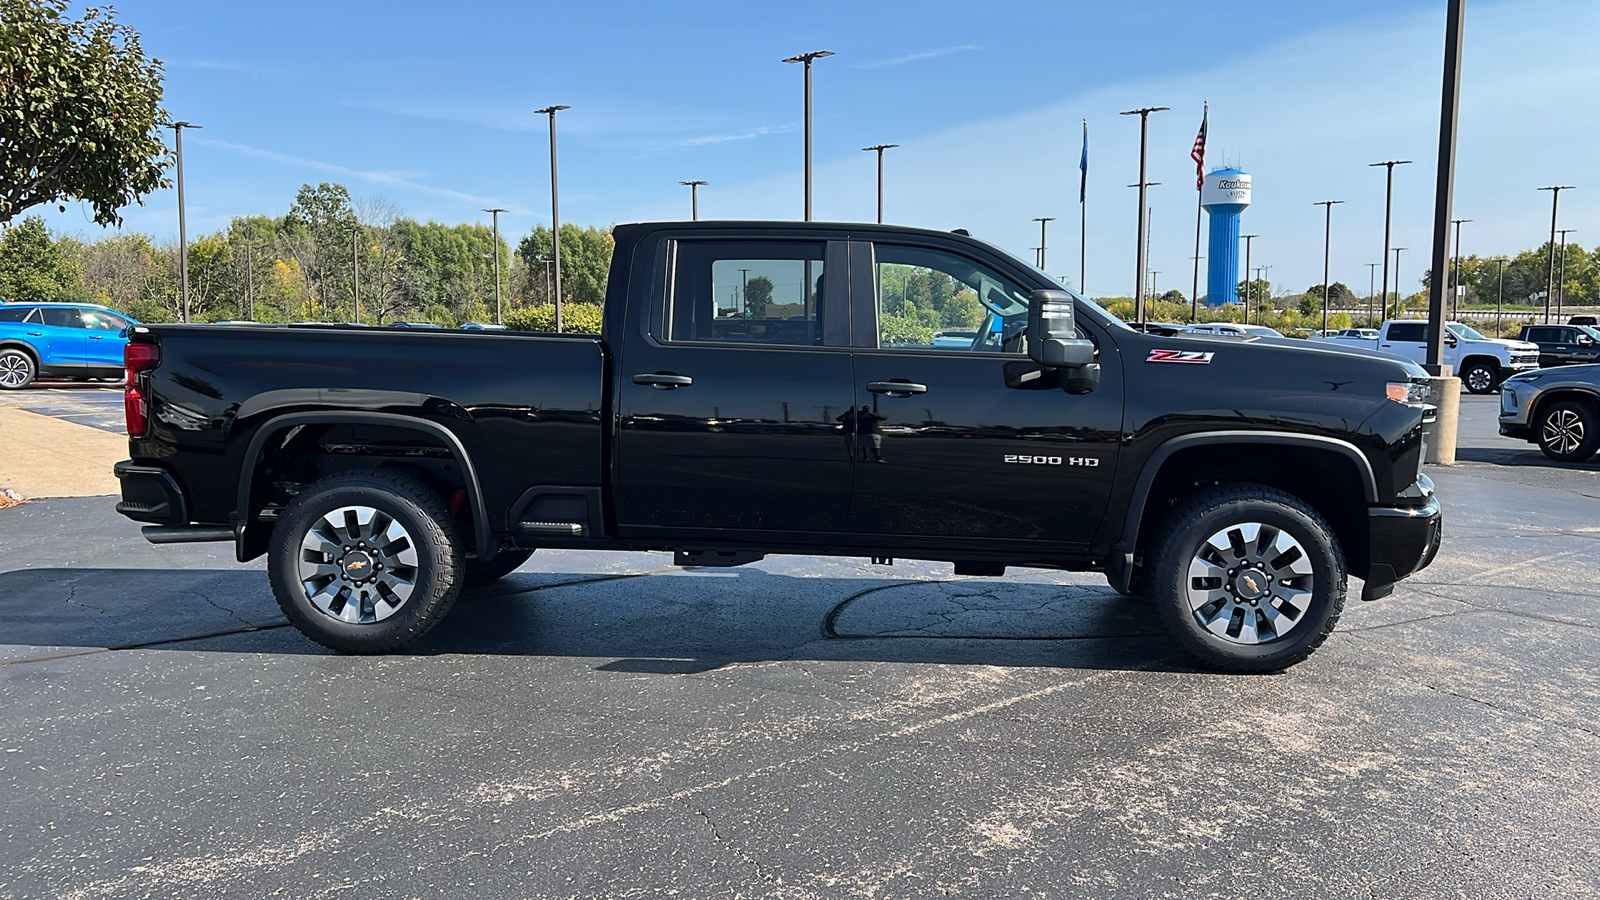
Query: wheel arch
[1331,475]
[251,544]
[1546,398]
[25,347]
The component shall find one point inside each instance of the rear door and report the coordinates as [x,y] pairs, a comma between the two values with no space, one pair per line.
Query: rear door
[970,443]
[733,389]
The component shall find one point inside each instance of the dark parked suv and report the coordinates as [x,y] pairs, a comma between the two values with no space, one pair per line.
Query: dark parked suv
[1564,345]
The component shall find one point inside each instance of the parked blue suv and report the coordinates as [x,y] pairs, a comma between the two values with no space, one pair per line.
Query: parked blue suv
[59,340]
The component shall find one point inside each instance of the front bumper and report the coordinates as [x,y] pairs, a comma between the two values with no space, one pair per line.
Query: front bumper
[1401,542]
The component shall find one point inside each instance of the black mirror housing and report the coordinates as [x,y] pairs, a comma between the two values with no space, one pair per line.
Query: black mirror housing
[1053,331]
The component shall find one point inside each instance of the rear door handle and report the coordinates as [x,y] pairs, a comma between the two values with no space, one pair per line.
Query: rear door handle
[663,381]
[97,337]
[896,387]
[36,334]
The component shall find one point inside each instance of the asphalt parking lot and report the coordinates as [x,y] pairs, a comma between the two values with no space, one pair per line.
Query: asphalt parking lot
[604,725]
[97,404]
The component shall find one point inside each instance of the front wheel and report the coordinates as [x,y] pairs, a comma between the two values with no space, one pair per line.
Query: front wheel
[1569,431]
[1481,378]
[17,370]
[1247,578]
[366,562]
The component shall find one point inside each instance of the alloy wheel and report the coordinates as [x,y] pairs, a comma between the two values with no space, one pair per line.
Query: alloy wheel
[1250,583]
[1480,380]
[1563,431]
[357,565]
[15,370]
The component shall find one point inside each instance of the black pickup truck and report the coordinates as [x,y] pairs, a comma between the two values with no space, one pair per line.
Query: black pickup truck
[758,390]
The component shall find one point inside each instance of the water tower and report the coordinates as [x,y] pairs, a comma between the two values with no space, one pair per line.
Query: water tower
[1225,195]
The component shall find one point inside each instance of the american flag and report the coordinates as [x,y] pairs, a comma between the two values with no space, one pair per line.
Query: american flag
[1198,154]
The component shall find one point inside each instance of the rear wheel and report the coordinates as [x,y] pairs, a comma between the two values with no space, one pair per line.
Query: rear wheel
[366,562]
[1246,578]
[504,563]
[1480,377]
[17,370]
[1569,431]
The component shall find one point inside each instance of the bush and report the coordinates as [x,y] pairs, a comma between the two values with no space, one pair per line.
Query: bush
[583,318]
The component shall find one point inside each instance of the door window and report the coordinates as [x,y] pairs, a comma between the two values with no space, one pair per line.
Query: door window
[97,320]
[933,300]
[61,317]
[747,292]
[15,313]
[1409,331]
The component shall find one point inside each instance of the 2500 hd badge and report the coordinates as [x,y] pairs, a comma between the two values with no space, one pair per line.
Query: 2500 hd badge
[1088,461]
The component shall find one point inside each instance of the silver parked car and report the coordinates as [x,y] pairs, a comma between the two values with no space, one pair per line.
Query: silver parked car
[1557,408]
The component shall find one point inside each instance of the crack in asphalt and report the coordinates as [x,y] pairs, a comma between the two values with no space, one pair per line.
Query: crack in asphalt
[72,598]
[1521,714]
[727,846]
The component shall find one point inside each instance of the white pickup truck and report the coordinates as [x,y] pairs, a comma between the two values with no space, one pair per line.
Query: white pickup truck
[1481,362]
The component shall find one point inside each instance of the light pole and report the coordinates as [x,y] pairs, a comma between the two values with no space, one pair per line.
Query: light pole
[1500,293]
[1042,220]
[880,148]
[694,198]
[1388,210]
[1259,270]
[1372,286]
[183,235]
[495,212]
[1455,279]
[1247,285]
[555,207]
[1397,299]
[1561,283]
[807,59]
[1144,140]
[1327,243]
[355,268]
[1550,276]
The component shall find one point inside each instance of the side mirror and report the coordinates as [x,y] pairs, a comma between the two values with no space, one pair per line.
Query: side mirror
[1053,332]
[1585,341]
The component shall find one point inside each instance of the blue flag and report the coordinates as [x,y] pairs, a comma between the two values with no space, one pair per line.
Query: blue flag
[1083,165]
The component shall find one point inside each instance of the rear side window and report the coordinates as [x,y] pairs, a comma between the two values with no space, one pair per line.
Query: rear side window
[1409,331]
[60,317]
[1539,334]
[747,292]
[14,313]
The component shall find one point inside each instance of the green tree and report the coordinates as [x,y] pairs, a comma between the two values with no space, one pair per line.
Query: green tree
[585,263]
[757,294]
[32,266]
[80,109]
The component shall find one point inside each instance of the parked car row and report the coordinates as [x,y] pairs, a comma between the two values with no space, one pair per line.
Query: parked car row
[1481,362]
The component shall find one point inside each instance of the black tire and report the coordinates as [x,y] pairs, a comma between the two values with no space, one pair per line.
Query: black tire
[17,369]
[1481,377]
[504,563]
[1320,592]
[1568,431]
[433,562]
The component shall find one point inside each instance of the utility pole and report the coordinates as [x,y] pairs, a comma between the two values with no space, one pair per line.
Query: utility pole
[880,148]
[1500,294]
[1388,217]
[1372,287]
[1259,270]
[694,198]
[1398,300]
[250,269]
[1144,141]
[1247,283]
[555,207]
[1327,243]
[183,234]
[1561,283]
[355,268]
[1550,275]
[1455,279]
[1041,220]
[807,59]
[495,212]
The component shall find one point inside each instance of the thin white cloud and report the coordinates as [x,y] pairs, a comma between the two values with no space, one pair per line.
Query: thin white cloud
[709,139]
[404,180]
[914,57]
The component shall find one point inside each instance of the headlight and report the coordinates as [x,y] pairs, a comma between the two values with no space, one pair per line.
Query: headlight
[1410,393]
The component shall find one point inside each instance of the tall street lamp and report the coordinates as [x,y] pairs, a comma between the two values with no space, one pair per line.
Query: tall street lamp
[1144,140]
[1372,287]
[694,198]
[183,235]
[1550,274]
[1327,243]
[807,59]
[1397,298]
[1500,292]
[1455,279]
[1561,283]
[1247,285]
[495,212]
[1388,211]
[1042,220]
[555,207]
[355,268]
[880,148]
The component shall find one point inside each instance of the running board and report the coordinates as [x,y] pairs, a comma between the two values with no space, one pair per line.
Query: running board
[565,529]
[187,534]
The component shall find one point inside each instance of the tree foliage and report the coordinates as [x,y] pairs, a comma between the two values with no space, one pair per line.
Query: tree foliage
[80,111]
[33,267]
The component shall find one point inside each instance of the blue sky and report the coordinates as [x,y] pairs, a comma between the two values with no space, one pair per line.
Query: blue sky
[430,106]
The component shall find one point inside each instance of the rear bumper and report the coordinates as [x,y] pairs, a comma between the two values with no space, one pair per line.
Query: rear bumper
[1401,541]
[150,494]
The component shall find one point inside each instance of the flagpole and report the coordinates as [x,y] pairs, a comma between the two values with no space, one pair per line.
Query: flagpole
[1198,154]
[1083,213]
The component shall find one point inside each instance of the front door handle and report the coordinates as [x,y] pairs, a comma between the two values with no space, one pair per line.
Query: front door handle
[97,337]
[893,388]
[663,381]
[35,334]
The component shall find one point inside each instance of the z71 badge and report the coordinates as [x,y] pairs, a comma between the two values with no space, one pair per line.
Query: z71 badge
[1195,357]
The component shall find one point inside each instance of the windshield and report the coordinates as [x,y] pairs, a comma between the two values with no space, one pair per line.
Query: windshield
[1465,332]
[1262,330]
[1590,330]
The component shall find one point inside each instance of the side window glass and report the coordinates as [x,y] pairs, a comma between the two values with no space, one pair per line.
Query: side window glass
[934,300]
[102,321]
[1409,331]
[60,317]
[14,313]
[747,292]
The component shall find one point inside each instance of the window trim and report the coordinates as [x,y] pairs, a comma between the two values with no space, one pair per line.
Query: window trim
[833,314]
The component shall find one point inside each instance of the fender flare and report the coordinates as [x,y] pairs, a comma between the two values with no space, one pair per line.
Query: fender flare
[20,344]
[1152,467]
[486,544]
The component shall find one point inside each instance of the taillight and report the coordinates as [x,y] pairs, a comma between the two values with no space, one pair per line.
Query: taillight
[137,358]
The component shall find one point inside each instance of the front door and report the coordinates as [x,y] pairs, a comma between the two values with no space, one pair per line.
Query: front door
[954,439]
[104,341]
[730,409]
[61,337]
